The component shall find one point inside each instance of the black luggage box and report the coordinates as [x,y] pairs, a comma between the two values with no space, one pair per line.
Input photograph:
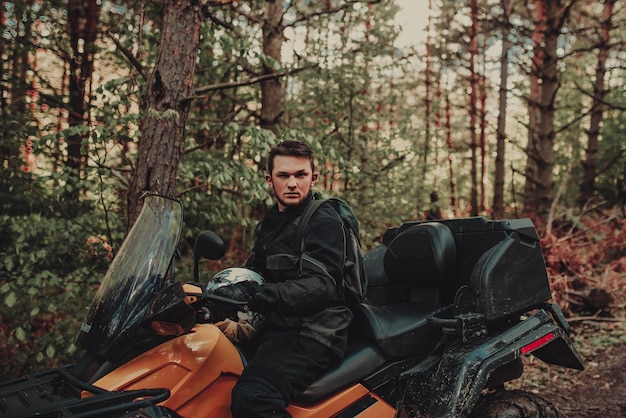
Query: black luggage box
[501,262]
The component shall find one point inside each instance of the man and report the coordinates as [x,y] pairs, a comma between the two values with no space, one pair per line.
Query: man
[434,210]
[306,328]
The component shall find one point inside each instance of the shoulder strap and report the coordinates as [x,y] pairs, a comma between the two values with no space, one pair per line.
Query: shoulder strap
[304,219]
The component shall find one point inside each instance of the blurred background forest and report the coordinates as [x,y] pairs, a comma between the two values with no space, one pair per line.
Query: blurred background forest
[505,108]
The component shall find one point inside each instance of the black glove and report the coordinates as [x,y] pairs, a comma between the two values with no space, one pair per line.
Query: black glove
[250,292]
[222,310]
[238,291]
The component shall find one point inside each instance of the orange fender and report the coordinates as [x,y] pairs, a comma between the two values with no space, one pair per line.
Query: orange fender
[199,368]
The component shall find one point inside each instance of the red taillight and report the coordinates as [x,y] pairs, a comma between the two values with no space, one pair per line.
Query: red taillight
[537,343]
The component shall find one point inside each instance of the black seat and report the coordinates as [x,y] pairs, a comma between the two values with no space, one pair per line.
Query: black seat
[400,331]
[361,359]
[423,258]
[417,265]
[421,262]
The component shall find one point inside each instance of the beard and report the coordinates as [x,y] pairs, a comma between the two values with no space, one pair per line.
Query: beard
[290,204]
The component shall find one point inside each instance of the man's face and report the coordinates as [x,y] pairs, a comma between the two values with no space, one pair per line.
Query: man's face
[291,179]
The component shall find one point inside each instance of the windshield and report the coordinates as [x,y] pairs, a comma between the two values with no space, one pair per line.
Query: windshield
[136,274]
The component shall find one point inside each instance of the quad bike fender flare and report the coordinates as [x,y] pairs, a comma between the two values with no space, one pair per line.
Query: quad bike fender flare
[453,386]
[560,351]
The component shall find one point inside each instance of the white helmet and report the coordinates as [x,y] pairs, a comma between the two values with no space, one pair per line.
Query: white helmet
[249,323]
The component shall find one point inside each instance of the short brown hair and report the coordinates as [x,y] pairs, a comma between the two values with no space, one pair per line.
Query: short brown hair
[291,148]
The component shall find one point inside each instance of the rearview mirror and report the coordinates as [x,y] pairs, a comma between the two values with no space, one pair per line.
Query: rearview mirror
[208,245]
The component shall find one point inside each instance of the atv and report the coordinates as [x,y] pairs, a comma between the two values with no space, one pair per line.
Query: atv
[452,307]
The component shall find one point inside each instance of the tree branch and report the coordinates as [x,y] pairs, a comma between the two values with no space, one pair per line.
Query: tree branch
[602,102]
[253,80]
[134,61]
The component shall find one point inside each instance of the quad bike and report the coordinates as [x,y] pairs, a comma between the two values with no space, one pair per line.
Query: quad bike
[452,308]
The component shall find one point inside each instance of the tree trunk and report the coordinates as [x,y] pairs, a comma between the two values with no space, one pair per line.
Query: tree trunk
[538,191]
[454,199]
[272,93]
[82,22]
[169,89]
[484,149]
[549,88]
[427,101]
[437,135]
[590,164]
[498,191]
[473,50]
[534,111]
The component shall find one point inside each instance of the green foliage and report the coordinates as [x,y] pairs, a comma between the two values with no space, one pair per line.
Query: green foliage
[351,93]
[49,269]
[611,181]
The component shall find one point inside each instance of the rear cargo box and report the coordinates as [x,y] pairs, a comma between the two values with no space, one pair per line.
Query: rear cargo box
[500,261]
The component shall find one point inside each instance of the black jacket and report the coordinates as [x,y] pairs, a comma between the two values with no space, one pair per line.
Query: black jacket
[307,286]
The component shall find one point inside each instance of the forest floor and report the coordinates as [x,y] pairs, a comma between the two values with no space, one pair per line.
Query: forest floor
[599,391]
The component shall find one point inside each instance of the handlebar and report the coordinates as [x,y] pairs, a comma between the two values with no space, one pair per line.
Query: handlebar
[220,300]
